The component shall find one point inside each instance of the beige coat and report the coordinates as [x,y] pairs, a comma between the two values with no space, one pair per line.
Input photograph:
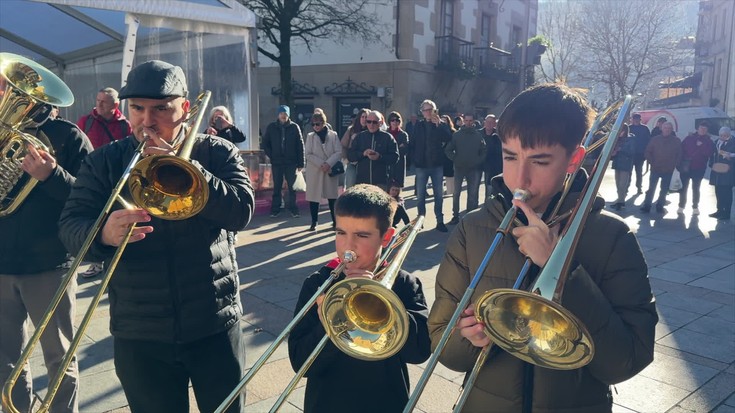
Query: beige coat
[319,184]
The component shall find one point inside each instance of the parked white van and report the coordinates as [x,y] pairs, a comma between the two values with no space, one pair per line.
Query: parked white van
[685,120]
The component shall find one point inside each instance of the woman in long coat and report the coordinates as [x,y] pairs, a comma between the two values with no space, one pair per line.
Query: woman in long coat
[323,150]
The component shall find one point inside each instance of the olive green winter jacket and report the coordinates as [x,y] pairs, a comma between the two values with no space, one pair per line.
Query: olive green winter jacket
[608,290]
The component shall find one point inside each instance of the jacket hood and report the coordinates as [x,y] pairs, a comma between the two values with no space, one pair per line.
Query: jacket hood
[501,197]
[117,116]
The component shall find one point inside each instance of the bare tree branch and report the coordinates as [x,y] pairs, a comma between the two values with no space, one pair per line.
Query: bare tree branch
[558,23]
[288,23]
[627,42]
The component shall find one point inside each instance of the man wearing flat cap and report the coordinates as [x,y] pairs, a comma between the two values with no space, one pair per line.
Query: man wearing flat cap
[174,305]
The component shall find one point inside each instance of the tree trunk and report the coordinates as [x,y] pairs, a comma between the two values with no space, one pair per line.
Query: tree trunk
[284,51]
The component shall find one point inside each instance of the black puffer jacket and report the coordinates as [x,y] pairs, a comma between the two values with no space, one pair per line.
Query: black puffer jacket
[29,239]
[373,172]
[336,380]
[179,284]
[283,144]
[426,145]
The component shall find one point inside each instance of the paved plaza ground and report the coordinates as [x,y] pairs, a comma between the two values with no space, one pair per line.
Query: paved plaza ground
[692,270]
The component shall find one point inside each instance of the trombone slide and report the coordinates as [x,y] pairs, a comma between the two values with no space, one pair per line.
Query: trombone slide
[500,234]
[349,256]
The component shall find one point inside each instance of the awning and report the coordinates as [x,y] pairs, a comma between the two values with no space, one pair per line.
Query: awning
[65,31]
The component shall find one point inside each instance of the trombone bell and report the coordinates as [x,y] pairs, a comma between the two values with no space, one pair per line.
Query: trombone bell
[366,320]
[168,187]
[534,329]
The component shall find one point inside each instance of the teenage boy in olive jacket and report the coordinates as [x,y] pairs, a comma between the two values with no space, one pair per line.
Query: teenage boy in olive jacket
[607,289]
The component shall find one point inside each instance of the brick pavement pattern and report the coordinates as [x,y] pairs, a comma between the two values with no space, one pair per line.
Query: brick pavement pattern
[691,266]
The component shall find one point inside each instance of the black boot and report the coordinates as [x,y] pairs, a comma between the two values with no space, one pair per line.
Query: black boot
[313,226]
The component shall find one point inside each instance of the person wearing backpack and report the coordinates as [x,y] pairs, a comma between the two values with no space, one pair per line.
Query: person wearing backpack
[105,123]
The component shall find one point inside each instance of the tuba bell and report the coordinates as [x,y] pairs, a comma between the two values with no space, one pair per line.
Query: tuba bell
[26,90]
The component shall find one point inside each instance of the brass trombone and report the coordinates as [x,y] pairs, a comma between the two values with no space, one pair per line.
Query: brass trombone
[533,326]
[157,186]
[361,307]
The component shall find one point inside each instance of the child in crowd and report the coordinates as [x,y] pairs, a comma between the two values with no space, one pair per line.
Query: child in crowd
[401,214]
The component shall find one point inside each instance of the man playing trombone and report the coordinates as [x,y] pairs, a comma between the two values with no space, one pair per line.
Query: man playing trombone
[607,289]
[174,304]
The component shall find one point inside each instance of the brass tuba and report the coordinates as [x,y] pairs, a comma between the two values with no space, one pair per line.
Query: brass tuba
[26,88]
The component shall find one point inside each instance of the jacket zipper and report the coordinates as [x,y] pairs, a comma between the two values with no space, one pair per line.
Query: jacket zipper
[170,266]
[372,146]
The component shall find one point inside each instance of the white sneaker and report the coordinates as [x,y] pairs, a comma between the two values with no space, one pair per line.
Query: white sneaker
[680,210]
[67,264]
[695,211]
[94,270]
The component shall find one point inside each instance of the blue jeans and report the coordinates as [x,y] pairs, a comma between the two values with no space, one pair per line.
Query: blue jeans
[663,190]
[473,189]
[422,178]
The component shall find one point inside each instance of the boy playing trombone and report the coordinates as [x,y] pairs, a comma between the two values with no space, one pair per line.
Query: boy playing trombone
[607,288]
[336,381]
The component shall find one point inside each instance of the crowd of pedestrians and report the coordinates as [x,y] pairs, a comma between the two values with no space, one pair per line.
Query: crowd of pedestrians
[460,157]
[664,153]
[379,151]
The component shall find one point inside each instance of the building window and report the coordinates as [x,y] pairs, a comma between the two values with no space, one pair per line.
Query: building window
[515,37]
[718,71]
[485,30]
[714,28]
[724,22]
[447,18]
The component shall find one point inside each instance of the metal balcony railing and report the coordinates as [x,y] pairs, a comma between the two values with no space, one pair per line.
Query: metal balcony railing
[495,63]
[453,52]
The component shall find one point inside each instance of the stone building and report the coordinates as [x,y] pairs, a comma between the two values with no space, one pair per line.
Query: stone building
[463,54]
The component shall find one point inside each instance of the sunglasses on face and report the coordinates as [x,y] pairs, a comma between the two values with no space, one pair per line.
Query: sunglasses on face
[426,110]
[395,120]
[372,122]
[317,124]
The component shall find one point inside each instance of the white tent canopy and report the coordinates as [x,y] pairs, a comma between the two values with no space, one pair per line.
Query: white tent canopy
[92,44]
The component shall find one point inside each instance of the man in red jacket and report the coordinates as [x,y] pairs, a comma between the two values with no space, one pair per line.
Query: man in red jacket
[103,125]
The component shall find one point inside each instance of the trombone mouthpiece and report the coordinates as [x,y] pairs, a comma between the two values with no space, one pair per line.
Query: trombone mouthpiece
[349,256]
[521,195]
